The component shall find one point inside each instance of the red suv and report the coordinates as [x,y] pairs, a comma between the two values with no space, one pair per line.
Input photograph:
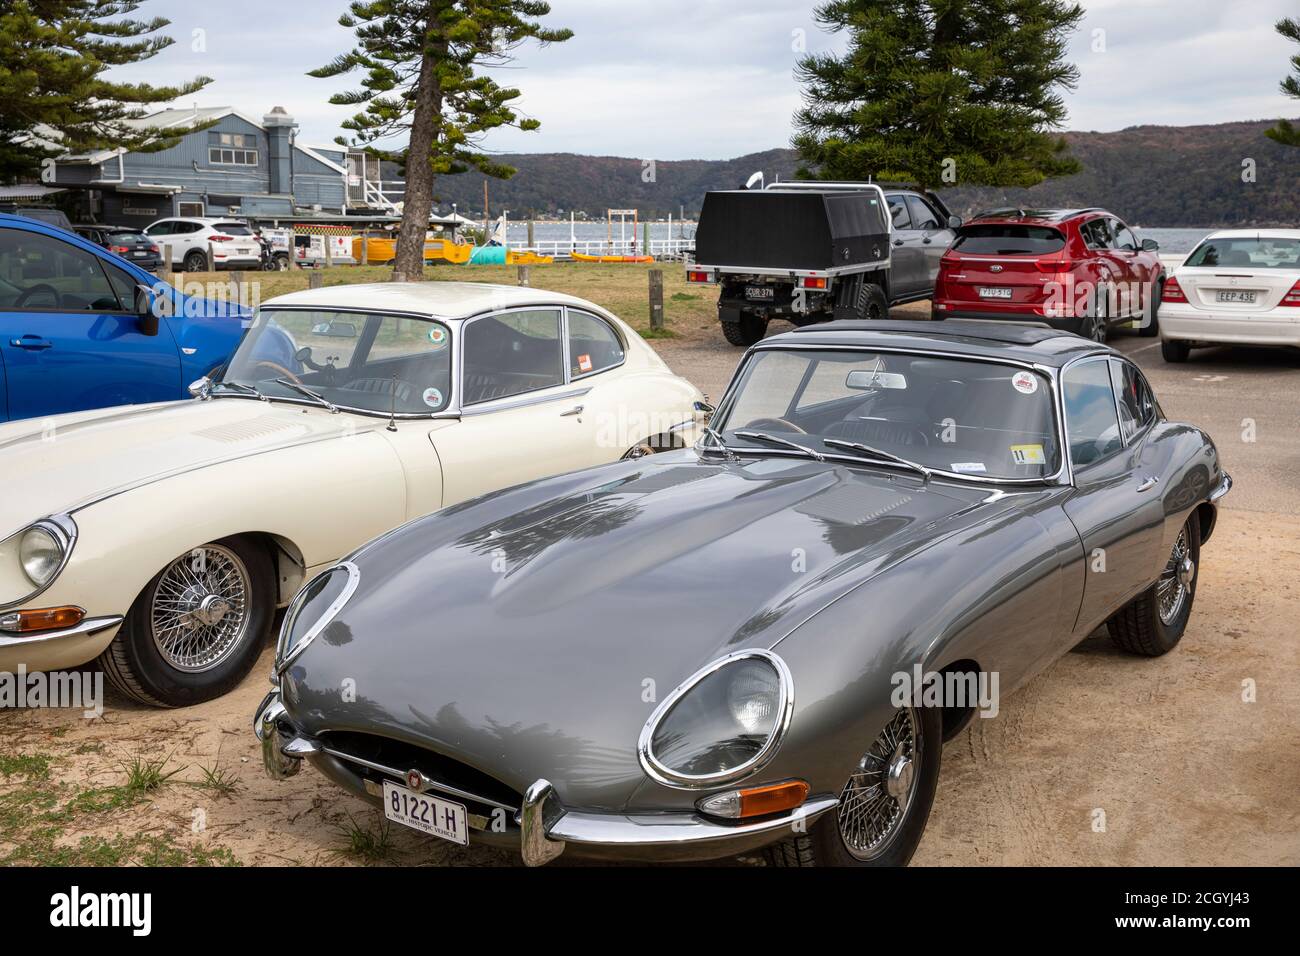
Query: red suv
[1081,270]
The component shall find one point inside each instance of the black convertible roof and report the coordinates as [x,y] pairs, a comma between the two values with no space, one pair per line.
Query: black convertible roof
[1026,341]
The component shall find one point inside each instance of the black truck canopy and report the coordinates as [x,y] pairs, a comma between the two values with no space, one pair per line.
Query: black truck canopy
[794,229]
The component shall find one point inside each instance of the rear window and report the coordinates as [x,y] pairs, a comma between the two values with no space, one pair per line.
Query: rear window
[1008,240]
[1252,252]
[128,237]
[233,228]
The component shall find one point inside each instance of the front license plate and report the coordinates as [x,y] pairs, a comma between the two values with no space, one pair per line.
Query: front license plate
[758,292]
[994,292]
[431,815]
[1236,295]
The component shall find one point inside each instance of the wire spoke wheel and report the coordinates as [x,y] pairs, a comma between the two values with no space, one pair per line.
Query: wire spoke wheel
[199,610]
[1175,582]
[876,799]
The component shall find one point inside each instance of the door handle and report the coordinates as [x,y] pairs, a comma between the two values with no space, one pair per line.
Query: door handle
[898,242]
[1147,483]
[926,240]
[575,410]
[33,342]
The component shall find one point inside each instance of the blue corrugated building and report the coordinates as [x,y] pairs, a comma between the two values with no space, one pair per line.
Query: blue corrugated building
[237,165]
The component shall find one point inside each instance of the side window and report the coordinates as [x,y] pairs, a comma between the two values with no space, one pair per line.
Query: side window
[593,345]
[898,211]
[1124,239]
[923,217]
[160,229]
[1094,234]
[1137,407]
[512,353]
[40,273]
[1090,419]
[124,284]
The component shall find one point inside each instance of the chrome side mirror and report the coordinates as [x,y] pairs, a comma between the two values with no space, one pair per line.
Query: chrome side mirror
[200,388]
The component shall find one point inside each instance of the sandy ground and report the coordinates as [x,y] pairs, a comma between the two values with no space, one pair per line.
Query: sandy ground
[1103,759]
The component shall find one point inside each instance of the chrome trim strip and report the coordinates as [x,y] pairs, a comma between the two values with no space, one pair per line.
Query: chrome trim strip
[400,777]
[785,708]
[284,659]
[674,829]
[510,402]
[91,625]
[63,529]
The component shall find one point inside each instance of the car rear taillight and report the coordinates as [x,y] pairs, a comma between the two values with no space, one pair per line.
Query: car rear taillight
[1173,292]
[218,238]
[1053,266]
[153,248]
[120,250]
[1292,298]
[813,282]
[699,275]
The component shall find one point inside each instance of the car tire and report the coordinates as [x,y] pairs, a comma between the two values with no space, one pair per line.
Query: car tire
[872,304]
[1152,328]
[236,570]
[1175,351]
[1153,623]
[743,328]
[826,843]
[195,261]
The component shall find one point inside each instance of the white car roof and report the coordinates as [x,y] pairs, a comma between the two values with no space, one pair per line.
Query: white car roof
[1252,233]
[448,300]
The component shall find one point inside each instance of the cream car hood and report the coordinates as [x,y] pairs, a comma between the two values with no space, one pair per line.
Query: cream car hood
[61,464]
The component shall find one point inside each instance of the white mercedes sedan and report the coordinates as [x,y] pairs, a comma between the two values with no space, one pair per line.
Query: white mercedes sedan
[1238,287]
[160,539]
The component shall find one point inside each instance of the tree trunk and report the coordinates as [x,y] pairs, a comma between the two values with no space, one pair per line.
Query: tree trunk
[419,175]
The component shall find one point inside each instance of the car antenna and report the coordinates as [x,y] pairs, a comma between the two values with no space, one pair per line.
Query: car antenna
[392,406]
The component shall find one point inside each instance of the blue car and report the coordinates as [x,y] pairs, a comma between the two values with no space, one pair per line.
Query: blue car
[79,328]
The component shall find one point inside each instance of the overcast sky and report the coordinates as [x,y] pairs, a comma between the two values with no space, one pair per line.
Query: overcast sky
[713,79]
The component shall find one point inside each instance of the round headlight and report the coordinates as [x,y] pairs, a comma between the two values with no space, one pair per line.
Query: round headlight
[722,723]
[41,555]
[313,608]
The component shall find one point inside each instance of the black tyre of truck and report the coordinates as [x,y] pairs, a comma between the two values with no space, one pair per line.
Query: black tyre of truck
[1152,327]
[873,304]
[197,628]
[885,803]
[743,328]
[1174,350]
[1153,623]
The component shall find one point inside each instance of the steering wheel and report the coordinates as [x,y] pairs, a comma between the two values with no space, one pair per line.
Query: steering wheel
[780,424]
[275,366]
[41,287]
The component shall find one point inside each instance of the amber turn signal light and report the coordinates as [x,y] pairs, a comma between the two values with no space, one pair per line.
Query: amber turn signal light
[756,801]
[45,619]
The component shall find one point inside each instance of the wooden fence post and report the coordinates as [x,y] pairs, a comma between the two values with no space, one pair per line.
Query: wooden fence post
[316,280]
[531,242]
[656,299]
[329,250]
[365,250]
[236,286]
[523,275]
[165,267]
[212,262]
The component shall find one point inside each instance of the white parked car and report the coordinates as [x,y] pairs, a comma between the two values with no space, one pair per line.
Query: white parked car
[1239,286]
[160,539]
[232,243]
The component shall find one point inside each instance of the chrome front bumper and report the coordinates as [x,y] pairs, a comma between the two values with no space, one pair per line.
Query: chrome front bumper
[547,827]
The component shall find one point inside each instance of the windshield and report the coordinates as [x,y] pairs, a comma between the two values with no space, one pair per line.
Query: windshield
[355,360]
[1253,252]
[953,415]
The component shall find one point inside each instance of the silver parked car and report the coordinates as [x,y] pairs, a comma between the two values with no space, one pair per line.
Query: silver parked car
[761,642]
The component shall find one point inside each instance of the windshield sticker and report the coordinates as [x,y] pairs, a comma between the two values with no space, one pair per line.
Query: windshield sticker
[1028,455]
[432,397]
[1026,383]
[969,467]
[584,363]
[438,336]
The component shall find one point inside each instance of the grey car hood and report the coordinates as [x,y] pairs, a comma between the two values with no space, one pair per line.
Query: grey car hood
[531,633]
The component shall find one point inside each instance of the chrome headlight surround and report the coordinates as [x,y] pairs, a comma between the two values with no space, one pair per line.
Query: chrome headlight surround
[286,648]
[62,530]
[666,775]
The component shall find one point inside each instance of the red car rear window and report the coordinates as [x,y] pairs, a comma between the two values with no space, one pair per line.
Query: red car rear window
[1008,240]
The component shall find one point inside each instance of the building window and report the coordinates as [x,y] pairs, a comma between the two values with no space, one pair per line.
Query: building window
[189,209]
[225,156]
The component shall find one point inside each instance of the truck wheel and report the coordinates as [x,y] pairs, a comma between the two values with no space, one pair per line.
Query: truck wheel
[742,328]
[198,627]
[872,302]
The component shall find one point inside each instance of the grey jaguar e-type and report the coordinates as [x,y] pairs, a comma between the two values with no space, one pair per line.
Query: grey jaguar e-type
[753,643]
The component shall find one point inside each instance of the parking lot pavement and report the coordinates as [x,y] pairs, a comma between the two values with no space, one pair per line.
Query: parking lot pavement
[1102,759]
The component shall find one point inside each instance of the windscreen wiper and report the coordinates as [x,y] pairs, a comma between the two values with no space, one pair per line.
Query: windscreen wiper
[304,390]
[719,444]
[877,453]
[239,386]
[763,436]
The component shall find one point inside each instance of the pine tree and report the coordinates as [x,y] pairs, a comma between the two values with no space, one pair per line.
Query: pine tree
[939,92]
[420,59]
[53,56]
[1284,132]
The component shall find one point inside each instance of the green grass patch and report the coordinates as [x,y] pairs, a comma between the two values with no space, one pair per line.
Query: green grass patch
[648,333]
[371,843]
[28,766]
[218,781]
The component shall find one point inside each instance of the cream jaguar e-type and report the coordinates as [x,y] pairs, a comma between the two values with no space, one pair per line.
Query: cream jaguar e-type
[160,539]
